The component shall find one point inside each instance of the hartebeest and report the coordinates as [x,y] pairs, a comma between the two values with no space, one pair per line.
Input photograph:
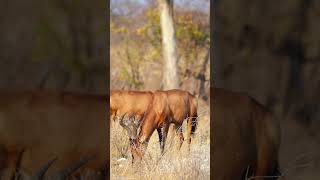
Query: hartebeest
[129,102]
[173,106]
[182,105]
[46,124]
[246,137]
[132,103]
[157,117]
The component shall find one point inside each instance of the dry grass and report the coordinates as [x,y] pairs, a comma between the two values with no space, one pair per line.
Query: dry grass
[173,164]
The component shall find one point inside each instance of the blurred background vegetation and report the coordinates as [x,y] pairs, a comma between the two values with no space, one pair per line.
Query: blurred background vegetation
[57,44]
[271,50]
[136,46]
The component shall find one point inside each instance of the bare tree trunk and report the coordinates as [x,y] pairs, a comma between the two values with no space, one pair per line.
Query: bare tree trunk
[170,71]
[202,76]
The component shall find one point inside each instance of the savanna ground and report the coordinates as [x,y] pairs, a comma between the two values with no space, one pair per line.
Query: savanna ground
[136,63]
[174,164]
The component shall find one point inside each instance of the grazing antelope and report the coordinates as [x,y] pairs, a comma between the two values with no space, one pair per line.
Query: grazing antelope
[157,117]
[135,104]
[182,105]
[49,123]
[167,107]
[246,137]
[129,102]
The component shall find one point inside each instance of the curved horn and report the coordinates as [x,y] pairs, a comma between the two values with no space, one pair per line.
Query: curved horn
[121,118]
[16,174]
[65,172]
[41,172]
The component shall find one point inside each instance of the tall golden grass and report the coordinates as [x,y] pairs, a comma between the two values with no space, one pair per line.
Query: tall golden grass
[174,164]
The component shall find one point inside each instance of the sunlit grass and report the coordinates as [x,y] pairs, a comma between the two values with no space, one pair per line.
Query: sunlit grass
[174,164]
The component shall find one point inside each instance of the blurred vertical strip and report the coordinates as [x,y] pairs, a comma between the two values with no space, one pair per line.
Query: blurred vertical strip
[108,82]
[54,60]
[212,71]
[216,60]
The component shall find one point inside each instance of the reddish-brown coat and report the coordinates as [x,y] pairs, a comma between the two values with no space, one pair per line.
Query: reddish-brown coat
[48,124]
[130,102]
[245,135]
[172,106]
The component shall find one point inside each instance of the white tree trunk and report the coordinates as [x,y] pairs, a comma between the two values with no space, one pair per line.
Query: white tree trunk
[170,71]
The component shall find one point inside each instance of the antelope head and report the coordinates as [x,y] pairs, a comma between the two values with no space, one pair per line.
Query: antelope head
[128,123]
[131,125]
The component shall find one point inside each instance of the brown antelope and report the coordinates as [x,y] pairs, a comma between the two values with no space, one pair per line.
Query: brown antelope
[167,107]
[182,105]
[46,124]
[246,137]
[157,117]
[132,103]
[129,102]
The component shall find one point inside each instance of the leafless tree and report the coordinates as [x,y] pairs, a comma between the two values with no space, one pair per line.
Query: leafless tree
[170,71]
